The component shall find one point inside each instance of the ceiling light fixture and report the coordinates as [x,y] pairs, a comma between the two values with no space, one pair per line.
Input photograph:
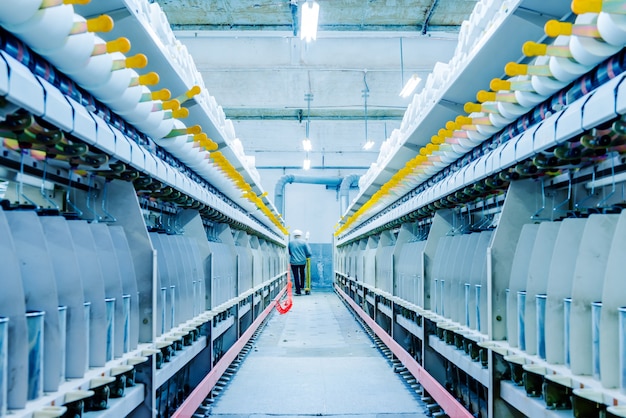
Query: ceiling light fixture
[306,142]
[412,82]
[308,22]
[366,92]
[410,86]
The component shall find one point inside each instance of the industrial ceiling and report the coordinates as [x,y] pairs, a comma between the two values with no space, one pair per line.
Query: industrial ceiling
[252,60]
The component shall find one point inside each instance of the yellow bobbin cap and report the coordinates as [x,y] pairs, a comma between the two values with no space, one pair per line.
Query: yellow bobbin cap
[181,113]
[512,69]
[137,61]
[534,49]
[162,94]
[554,28]
[432,147]
[424,151]
[412,163]
[470,107]
[499,84]
[80,2]
[451,126]
[200,137]
[171,105]
[586,6]
[210,145]
[403,172]
[195,90]
[195,129]
[485,96]
[444,133]
[149,79]
[437,139]
[102,23]
[464,120]
[118,45]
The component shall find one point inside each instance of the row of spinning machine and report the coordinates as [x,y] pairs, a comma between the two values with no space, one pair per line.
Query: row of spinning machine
[126,274]
[498,272]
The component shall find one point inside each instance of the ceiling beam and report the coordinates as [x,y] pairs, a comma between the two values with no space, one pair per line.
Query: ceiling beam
[316,114]
[337,27]
[448,33]
[313,167]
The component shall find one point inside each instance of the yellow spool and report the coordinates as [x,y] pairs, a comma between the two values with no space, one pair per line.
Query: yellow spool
[485,96]
[162,94]
[498,84]
[513,69]
[470,107]
[554,28]
[136,61]
[102,23]
[580,7]
[118,45]
[149,79]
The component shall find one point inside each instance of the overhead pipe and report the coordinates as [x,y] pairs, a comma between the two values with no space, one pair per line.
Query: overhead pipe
[344,191]
[293,5]
[429,15]
[279,191]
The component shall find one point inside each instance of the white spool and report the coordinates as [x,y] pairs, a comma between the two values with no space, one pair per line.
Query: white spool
[512,110]
[116,86]
[590,51]
[17,12]
[500,121]
[74,52]
[47,28]
[477,136]
[566,69]
[612,28]
[139,113]
[155,126]
[545,85]
[96,72]
[126,102]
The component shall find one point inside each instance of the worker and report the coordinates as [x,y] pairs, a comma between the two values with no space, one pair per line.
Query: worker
[299,251]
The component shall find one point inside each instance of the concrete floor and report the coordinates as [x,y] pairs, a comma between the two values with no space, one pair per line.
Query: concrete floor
[316,360]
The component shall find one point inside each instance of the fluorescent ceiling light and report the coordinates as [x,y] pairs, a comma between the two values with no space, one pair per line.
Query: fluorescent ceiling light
[410,86]
[308,23]
[306,164]
[306,144]
[368,144]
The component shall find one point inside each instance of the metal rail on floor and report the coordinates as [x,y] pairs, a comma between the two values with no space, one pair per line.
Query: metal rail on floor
[446,401]
[199,394]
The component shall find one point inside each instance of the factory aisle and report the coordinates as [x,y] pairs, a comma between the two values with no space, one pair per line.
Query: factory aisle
[316,361]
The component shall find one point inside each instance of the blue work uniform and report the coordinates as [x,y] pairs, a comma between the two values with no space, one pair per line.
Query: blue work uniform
[299,251]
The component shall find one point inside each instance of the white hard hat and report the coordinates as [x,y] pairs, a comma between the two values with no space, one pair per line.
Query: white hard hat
[297,233]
